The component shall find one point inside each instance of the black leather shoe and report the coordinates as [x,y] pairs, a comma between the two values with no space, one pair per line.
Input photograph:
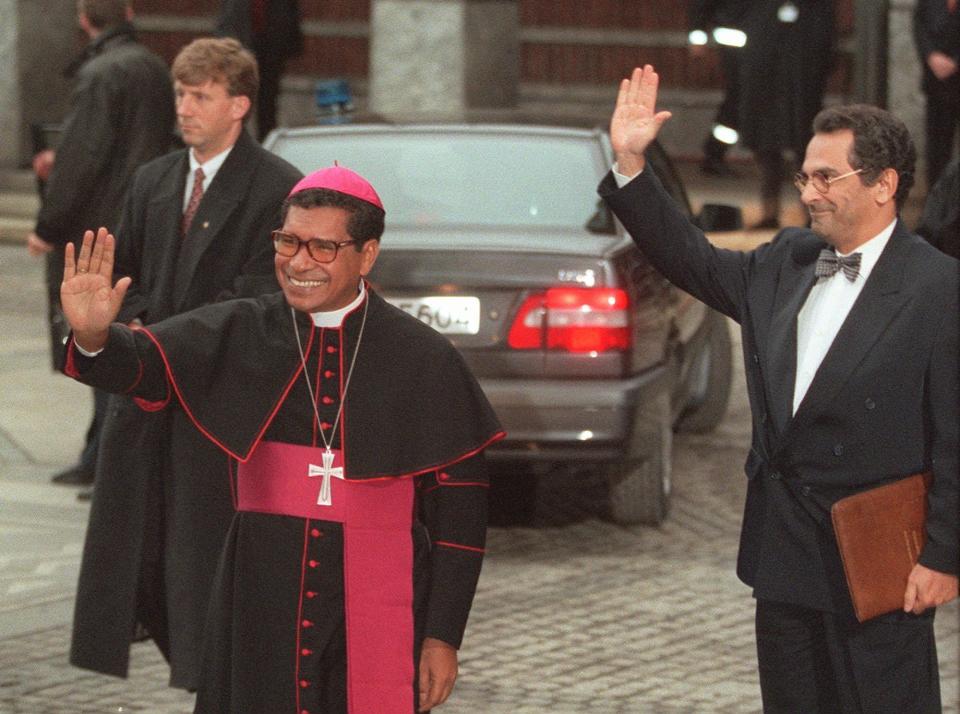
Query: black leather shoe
[74,476]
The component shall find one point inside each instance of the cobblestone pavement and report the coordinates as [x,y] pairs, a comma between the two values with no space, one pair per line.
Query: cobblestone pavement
[573,613]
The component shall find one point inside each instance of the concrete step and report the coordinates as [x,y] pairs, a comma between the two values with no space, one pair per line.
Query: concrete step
[17,180]
[19,204]
[14,230]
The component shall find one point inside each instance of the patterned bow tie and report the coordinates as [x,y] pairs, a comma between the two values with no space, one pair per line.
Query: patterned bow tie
[828,263]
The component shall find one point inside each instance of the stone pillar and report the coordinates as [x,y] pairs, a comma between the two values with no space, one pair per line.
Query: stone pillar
[443,56]
[38,38]
[905,98]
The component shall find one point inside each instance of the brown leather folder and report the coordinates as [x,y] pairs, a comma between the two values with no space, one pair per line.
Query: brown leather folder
[880,533]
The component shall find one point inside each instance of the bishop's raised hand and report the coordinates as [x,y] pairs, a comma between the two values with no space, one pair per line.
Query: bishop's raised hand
[636,122]
[88,296]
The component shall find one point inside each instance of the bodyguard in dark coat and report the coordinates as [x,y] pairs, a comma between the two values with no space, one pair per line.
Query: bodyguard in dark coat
[271,29]
[121,116]
[783,77]
[853,382]
[162,500]
[936,31]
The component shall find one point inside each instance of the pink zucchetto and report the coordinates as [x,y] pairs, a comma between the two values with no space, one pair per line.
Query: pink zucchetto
[338,178]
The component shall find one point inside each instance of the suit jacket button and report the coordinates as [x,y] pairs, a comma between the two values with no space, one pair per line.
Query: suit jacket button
[805,490]
[838,450]
[756,358]
[775,475]
[869,403]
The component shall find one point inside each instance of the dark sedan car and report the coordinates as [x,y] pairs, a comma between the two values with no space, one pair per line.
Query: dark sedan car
[495,237]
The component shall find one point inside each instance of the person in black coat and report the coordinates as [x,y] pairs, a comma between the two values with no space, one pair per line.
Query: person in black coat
[162,499]
[853,382]
[783,76]
[706,17]
[121,116]
[940,222]
[271,29]
[936,31]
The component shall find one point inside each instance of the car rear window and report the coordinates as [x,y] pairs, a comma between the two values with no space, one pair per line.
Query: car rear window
[468,178]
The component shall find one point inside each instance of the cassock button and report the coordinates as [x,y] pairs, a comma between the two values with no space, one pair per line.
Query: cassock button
[444,477]
[304,684]
[327,400]
[838,450]
[869,403]
[316,533]
[310,594]
[331,349]
[305,652]
[313,563]
[325,425]
[306,623]
[329,373]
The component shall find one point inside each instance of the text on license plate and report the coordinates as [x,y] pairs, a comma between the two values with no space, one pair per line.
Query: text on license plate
[446,314]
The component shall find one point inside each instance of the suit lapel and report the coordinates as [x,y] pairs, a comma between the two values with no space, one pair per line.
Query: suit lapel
[221,199]
[165,212]
[780,364]
[876,306]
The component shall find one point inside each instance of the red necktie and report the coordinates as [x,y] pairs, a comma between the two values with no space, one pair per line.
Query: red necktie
[194,203]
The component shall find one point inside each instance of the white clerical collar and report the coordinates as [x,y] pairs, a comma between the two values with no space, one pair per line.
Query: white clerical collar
[334,318]
[871,250]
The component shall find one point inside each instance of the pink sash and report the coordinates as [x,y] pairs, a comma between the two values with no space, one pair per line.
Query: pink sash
[377,517]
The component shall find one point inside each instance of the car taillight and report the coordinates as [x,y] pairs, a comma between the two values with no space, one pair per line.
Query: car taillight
[573,320]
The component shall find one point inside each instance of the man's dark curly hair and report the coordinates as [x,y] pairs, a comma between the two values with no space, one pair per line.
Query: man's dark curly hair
[880,141]
[366,220]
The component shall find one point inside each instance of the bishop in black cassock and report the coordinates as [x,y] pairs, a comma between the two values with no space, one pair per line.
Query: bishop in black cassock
[356,438]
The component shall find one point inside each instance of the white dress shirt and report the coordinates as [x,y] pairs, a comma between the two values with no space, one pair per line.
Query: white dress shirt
[825,310]
[210,168]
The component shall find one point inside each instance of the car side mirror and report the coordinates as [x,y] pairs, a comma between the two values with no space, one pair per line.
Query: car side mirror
[717,217]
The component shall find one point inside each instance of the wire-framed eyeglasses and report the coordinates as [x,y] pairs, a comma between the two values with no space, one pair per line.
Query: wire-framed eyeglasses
[820,180]
[322,251]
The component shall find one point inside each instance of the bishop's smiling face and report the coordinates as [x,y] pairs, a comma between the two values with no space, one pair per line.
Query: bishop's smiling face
[310,286]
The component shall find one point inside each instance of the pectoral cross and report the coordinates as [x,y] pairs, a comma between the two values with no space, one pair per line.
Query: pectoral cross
[326,472]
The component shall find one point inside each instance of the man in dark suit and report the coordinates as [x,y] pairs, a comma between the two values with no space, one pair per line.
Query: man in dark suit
[195,229]
[853,381]
[121,116]
[271,29]
[936,32]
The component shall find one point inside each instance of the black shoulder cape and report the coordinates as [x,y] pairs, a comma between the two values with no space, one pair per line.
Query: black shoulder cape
[412,405]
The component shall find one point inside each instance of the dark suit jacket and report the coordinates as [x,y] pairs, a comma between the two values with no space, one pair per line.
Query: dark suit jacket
[162,501]
[884,403]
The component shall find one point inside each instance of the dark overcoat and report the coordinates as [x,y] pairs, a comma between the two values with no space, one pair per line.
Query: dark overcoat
[783,72]
[281,32]
[883,404]
[162,501]
[121,116]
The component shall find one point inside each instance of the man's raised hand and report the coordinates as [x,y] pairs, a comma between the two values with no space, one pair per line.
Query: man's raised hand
[90,300]
[636,122]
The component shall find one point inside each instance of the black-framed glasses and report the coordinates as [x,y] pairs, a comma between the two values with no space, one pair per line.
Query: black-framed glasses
[820,180]
[322,251]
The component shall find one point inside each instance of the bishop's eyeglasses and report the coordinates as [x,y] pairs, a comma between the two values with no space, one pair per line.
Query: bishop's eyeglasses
[322,251]
[820,180]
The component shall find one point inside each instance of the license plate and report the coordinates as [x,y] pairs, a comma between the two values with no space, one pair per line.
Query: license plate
[449,315]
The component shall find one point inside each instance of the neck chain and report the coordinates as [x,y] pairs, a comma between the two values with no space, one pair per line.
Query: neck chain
[346,385]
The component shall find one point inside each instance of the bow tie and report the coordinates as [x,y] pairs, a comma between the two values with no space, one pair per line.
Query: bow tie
[828,263]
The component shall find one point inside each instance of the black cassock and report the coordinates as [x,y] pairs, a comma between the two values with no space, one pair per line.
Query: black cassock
[413,413]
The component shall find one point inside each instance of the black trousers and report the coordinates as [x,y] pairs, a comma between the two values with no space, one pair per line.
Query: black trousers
[816,662]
